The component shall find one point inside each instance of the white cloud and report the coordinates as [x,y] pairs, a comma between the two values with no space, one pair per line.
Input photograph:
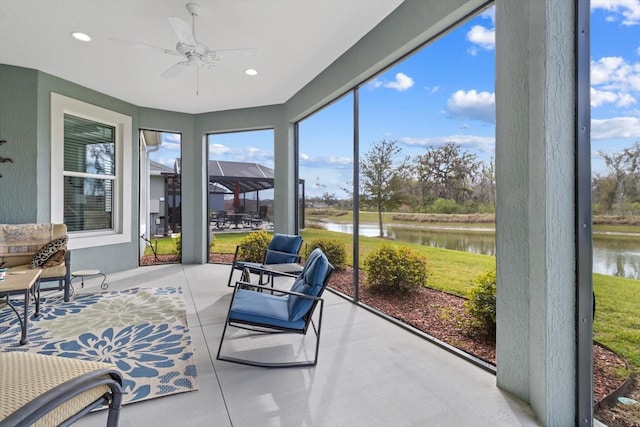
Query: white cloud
[617,127]
[615,80]
[375,83]
[473,105]
[472,142]
[339,161]
[629,9]
[600,97]
[490,14]
[482,36]
[218,149]
[401,83]
[433,89]
[171,137]
[625,100]
[609,70]
[256,154]
[328,162]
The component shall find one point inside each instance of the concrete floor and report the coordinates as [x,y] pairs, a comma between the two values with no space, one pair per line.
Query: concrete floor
[370,372]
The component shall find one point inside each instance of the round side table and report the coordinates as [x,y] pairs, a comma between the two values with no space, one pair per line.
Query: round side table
[88,273]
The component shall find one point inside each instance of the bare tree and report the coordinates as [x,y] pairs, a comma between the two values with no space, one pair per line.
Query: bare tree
[484,189]
[616,162]
[382,177]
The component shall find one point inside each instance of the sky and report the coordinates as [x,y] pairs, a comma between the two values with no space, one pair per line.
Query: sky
[444,93]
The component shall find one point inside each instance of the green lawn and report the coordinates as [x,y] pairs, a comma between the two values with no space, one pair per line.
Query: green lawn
[163,246]
[617,321]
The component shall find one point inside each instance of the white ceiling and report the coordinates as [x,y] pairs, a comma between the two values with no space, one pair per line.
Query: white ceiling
[294,40]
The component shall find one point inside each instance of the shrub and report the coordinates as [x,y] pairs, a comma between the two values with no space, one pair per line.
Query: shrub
[253,246]
[396,268]
[481,305]
[179,244]
[445,206]
[334,249]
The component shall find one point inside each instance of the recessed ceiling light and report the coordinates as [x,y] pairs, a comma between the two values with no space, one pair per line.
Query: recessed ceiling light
[251,72]
[81,36]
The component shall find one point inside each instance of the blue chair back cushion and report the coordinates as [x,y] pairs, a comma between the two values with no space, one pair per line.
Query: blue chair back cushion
[288,243]
[309,282]
[274,257]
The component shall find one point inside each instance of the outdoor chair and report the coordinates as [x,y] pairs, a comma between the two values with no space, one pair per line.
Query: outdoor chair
[283,249]
[266,310]
[262,213]
[221,220]
[42,390]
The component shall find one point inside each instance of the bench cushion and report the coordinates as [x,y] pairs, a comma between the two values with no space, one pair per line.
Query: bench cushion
[26,376]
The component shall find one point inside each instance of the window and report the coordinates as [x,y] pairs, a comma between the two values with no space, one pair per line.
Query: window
[90,164]
[89,174]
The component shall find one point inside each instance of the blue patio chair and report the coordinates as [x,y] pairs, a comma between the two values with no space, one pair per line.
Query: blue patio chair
[280,311]
[283,249]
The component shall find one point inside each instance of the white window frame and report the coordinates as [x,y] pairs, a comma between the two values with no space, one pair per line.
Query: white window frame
[122,213]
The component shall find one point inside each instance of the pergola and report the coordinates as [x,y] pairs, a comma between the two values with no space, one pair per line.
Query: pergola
[248,176]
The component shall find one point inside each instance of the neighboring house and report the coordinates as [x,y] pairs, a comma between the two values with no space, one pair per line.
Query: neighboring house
[158,191]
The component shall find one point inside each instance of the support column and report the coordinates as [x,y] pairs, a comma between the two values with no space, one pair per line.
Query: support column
[284,170]
[535,148]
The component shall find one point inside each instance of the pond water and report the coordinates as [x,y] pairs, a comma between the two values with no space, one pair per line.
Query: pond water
[611,256]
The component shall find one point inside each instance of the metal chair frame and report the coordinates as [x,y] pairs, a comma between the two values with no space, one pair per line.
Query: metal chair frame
[273,329]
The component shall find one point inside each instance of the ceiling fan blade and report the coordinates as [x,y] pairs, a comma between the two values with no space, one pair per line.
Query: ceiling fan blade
[182,30]
[145,46]
[227,53]
[176,69]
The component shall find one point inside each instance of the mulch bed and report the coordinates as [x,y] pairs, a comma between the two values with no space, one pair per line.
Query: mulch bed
[442,316]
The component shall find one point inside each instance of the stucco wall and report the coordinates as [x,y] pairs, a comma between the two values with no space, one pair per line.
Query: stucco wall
[25,119]
[18,126]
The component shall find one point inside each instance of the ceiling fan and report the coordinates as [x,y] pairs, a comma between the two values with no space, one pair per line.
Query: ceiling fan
[194,52]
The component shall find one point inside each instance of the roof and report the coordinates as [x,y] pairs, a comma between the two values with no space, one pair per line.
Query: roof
[156,168]
[250,176]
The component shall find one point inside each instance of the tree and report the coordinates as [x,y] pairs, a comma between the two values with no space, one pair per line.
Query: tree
[616,163]
[447,173]
[329,199]
[484,189]
[382,177]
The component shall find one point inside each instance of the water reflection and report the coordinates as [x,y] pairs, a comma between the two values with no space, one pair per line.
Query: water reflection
[611,256]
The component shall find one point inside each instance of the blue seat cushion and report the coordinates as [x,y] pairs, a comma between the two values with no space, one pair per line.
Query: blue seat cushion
[309,282]
[262,308]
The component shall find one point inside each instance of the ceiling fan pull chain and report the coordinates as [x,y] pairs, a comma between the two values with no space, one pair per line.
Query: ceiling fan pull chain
[197,79]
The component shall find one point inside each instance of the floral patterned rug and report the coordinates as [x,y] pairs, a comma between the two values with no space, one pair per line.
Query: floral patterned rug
[142,331]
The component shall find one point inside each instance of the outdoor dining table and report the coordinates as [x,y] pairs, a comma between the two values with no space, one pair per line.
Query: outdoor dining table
[236,218]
